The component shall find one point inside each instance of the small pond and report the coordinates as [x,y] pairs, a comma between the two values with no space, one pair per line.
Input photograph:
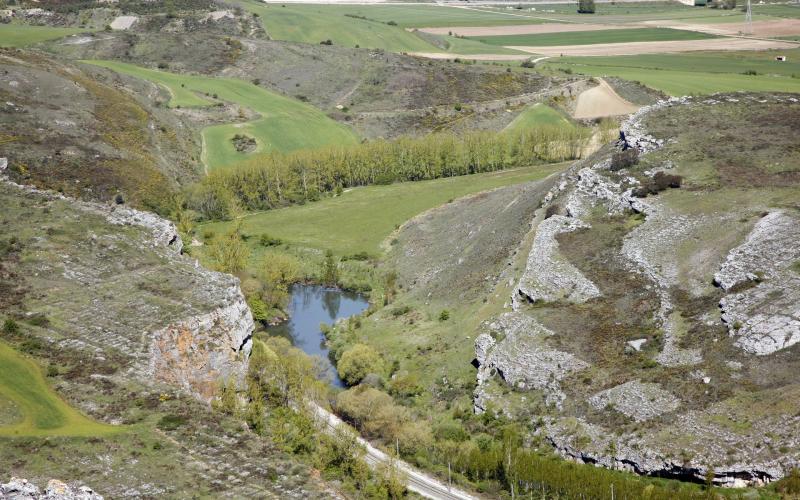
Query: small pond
[311,305]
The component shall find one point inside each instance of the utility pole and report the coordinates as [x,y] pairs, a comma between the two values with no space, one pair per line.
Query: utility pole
[449,477]
[612,491]
[748,20]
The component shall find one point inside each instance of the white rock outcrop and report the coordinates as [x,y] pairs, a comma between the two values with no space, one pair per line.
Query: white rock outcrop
[22,489]
[637,400]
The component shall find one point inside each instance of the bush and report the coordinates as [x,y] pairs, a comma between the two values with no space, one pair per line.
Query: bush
[586,7]
[357,362]
[326,42]
[552,210]
[444,315]
[528,63]
[10,326]
[659,182]
[268,241]
[624,159]
[171,422]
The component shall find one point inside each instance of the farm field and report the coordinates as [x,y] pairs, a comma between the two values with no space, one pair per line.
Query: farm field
[696,73]
[29,407]
[363,217]
[285,124]
[18,35]
[594,37]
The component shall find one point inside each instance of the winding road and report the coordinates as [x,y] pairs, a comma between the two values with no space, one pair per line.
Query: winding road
[416,481]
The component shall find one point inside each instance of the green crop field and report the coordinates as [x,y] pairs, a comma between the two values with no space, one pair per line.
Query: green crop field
[18,35]
[537,115]
[285,124]
[361,218]
[29,407]
[593,37]
[696,73]
[367,26]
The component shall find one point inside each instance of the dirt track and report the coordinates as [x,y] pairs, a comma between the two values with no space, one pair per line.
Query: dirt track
[602,101]
[522,29]
[627,49]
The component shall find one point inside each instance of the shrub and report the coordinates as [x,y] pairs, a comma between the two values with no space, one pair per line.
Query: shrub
[444,315]
[586,7]
[528,63]
[10,326]
[357,362]
[624,159]
[171,422]
[163,65]
[658,183]
[268,241]
[326,42]
[552,210]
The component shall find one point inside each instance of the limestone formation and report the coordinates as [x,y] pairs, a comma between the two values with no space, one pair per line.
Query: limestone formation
[21,489]
[637,400]
[521,357]
[548,276]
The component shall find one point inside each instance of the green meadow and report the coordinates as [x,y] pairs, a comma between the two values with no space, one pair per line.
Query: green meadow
[29,407]
[594,37]
[538,115]
[285,124]
[19,35]
[695,73]
[359,219]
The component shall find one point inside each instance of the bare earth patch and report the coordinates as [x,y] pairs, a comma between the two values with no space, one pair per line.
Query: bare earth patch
[628,49]
[602,101]
[476,57]
[776,27]
[522,29]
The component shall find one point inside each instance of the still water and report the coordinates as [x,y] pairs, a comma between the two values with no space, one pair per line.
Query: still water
[311,305]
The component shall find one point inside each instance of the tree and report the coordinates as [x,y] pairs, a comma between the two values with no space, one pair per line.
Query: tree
[330,270]
[277,272]
[229,252]
[357,362]
[585,6]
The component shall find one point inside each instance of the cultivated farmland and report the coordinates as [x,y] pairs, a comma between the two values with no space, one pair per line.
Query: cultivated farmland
[594,37]
[284,125]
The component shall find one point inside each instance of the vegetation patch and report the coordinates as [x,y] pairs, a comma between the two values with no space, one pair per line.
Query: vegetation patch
[21,35]
[594,37]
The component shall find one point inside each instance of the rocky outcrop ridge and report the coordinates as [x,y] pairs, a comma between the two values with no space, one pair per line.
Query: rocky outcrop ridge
[639,401]
[21,489]
[514,348]
[765,317]
[548,276]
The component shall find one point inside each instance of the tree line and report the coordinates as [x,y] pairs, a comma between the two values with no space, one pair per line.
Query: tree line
[273,180]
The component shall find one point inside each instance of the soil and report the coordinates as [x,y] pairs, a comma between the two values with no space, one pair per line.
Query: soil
[522,29]
[777,27]
[627,49]
[602,101]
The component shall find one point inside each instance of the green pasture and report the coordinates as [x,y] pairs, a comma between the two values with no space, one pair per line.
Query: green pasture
[285,124]
[537,115]
[594,37]
[696,73]
[20,35]
[361,218]
[29,407]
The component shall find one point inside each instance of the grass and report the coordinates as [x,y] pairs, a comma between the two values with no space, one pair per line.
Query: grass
[537,115]
[466,47]
[594,37]
[361,218]
[367,26]
[41,412]
[19,35]
[285,124]
[696,73]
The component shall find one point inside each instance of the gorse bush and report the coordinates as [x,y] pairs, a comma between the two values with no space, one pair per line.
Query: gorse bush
[273,180]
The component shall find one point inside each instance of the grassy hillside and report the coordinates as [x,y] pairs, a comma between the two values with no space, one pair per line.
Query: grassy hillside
[17,35]
[29,407]
[285,124]
[593,37]
[361,218]
[700,73]
[537,115]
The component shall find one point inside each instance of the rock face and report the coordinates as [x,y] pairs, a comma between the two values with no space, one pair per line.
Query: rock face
[521,358]
[640,401]
[121,283]
[21,489]
[765,317]
[706,398]
[548,276]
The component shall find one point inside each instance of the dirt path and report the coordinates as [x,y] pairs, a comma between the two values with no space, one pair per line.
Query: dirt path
[634,48]
[602,101]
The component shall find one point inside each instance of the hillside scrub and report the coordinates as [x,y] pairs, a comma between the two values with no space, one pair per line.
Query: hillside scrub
[275,180]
